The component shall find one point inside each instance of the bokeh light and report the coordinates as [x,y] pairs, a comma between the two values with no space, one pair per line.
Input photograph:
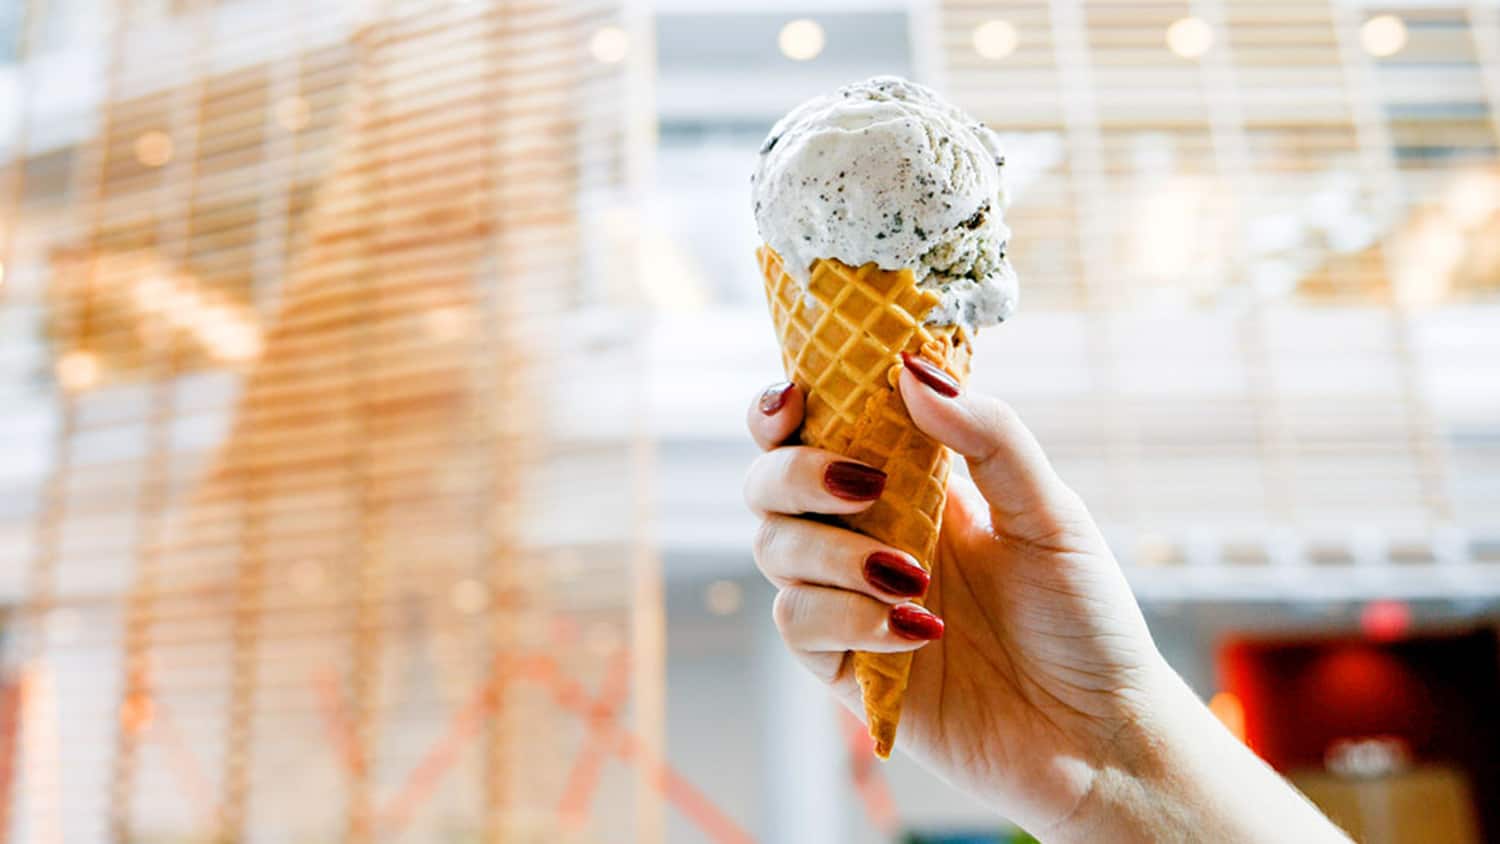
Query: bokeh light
[78,370]
[610,45]
[293,114]
[995,39]
[235,341]
[724,597]
[153,149]
[1385,620]
[801,39]
[445,324]
[1383,35]
[1190,37]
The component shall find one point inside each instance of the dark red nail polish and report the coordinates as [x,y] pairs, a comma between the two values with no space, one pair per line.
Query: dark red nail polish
[913,622]
[941,382]
[774,398]
[895,575]
[853,481]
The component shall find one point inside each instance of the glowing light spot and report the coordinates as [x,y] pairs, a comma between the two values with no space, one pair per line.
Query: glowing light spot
[179,304]
[801,40]
[225,331]
[78,371]
[445,324]
[1190,37]
[724,597]
[152,293]
[1385,620]
[1383,35]
[610,45]
[153,149]
[995,39]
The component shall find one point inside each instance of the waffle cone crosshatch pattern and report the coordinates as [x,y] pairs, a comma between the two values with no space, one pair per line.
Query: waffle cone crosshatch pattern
[321,307]
[841,339]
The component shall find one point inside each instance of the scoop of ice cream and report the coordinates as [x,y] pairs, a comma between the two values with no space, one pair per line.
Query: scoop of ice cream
[886,171]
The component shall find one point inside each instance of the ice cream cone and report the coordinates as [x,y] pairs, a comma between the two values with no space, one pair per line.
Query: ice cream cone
[842,337]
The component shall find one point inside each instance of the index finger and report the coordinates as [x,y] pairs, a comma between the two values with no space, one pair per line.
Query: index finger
[775,414]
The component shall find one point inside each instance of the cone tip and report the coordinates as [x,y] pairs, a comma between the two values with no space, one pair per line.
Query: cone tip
[884,734]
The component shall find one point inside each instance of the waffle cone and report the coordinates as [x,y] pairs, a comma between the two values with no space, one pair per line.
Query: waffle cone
[841,342]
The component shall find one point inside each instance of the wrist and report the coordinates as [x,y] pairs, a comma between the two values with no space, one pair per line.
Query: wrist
[1129,797]
[1173,773]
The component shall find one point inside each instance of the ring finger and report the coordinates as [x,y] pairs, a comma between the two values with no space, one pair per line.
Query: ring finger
[790,550]
[820,619]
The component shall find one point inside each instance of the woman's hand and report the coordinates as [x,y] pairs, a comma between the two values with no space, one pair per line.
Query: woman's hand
[1035,683]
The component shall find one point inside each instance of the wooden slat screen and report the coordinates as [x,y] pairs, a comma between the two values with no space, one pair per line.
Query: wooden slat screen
[325,546]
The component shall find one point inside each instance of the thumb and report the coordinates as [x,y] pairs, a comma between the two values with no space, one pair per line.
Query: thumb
[1005,460]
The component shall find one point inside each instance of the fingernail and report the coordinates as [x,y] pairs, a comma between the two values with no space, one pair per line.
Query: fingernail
[853,481]
[895,575]
[774,398]
[913,622]
[941,382]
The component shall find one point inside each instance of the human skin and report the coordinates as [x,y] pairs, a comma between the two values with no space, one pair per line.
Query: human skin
[1035,685]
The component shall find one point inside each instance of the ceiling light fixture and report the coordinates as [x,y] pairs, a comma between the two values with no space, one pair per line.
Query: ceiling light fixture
[995,39]
[1383,35]
[1190,37]
[610,45]
[801,39]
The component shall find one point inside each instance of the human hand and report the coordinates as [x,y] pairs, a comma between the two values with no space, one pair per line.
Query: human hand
[1041,662]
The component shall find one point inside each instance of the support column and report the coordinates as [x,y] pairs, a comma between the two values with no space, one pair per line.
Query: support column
[803,771]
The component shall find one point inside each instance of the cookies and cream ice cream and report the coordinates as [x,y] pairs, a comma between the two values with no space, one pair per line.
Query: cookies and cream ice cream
[885,171]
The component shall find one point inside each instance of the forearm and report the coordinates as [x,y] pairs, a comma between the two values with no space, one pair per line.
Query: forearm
[1180,776]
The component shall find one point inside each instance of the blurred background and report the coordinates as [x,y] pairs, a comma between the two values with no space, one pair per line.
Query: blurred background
[373,374]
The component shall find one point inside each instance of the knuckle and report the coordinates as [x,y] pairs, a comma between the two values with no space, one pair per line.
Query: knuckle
[787,609]
[753,475]
[766,537]
[997,415]
[1060,517]
[747,489]
[799,465]
[994,421]
[826,667]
